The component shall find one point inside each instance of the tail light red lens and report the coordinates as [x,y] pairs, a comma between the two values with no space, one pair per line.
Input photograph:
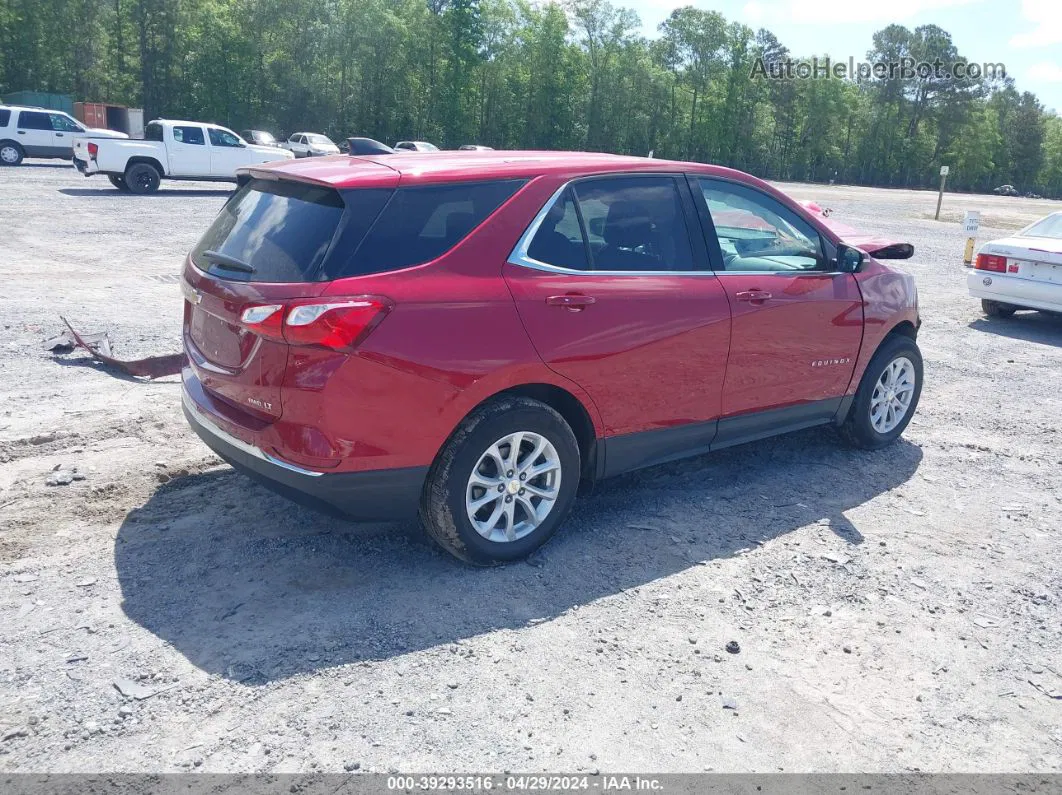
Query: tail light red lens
[991,262]
[93,150]
[336,323]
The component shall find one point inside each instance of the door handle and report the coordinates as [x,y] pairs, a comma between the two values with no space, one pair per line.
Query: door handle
[58,135]
[573,302]
[753,296]
[21,132]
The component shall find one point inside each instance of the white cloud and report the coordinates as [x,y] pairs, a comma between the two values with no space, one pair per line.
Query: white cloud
[1047,71]
[1046,16]
[843,11]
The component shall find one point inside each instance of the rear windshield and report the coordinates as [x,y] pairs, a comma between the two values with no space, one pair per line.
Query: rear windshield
[279,231]
[283,230]
[1051,226]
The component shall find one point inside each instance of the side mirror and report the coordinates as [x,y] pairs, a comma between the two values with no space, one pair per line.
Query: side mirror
[849,259]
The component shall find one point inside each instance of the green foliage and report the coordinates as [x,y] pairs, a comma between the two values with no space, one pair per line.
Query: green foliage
[573,74]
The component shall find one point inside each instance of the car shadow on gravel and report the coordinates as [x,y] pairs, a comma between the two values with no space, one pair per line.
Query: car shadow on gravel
[254,588]
[161,192]
[1042,327]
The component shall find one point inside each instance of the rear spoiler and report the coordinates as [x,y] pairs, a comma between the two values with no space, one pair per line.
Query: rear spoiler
[877,247]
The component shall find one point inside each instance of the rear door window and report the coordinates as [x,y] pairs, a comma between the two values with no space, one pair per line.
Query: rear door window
[422,223]
[33,120]
[287,231]
[153,132]
[189,135]
[559,239]
[635,224]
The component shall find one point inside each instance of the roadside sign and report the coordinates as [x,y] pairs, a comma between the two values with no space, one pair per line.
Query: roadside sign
[971,221]
[944,171]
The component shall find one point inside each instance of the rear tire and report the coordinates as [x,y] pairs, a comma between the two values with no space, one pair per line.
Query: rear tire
[509,523]
[997,309]
[142,178]
[118,182]
[887,396]
[11,154]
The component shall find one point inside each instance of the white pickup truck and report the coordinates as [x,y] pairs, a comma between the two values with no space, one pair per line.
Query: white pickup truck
[171,150]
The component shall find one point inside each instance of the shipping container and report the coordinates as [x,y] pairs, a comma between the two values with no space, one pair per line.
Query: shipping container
[111,117]
[41,99]
[136,123]
[91,114]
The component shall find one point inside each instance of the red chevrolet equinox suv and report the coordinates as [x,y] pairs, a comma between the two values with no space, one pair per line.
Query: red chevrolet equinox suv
[467,336]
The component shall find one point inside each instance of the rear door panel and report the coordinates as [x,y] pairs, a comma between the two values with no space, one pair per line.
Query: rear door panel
[651,351]
[648,346]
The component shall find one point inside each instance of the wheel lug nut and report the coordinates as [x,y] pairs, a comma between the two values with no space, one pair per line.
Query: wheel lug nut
[508,499]
[501,488]
[523,476]
[521,491]
[509,474]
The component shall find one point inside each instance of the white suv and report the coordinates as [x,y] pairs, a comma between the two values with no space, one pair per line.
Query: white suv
[40,132]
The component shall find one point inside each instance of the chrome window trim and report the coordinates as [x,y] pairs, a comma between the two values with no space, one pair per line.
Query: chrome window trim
[520,257]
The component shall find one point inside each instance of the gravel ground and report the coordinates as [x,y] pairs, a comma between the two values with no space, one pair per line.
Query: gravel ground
[895,611]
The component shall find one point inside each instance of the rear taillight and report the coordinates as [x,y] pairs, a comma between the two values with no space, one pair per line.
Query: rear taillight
[93,150]
[991,262]
[337,323]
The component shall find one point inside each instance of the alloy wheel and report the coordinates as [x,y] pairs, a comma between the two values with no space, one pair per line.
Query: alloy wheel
[891,399]
[9,154]
[513,486]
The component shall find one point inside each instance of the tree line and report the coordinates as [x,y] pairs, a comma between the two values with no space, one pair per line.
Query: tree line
[537,75]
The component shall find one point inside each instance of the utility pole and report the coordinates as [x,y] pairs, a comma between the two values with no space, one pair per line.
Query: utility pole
[940,194]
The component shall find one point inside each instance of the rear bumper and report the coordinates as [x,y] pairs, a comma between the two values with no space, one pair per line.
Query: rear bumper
[86,168]
[1024,293]
[377,495]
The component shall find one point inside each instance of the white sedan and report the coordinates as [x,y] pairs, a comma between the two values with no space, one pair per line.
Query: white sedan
[1023,271]
[306,144]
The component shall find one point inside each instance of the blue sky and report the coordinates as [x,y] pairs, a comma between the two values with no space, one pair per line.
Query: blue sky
[1025,35]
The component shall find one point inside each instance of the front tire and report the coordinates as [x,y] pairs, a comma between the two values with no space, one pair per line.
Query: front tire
[119,182]
[503,482]
[887,396]
[142,178]
[997,309]
[11,154]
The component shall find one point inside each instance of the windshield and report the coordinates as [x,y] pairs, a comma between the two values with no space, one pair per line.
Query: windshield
[1051,226]
[264,138]
[318,139]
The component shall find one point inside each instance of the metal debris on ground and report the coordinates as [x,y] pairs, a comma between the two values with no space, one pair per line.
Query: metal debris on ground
[99,346]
